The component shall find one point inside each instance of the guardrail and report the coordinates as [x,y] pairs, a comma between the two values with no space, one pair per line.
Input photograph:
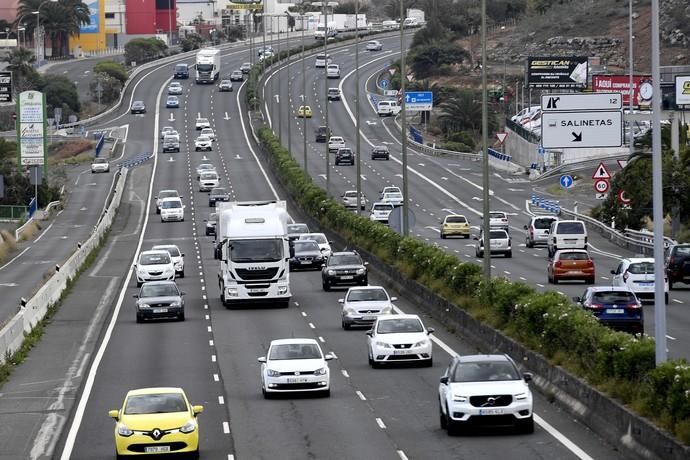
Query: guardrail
[645,236]
[576,166]
[33,310]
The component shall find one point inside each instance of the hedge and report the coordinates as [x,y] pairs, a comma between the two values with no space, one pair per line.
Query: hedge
[545,322]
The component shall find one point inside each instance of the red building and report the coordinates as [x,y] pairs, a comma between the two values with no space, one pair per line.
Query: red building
[146,17]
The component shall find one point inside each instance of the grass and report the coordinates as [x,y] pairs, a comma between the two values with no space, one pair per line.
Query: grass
[7,244]
[30,231]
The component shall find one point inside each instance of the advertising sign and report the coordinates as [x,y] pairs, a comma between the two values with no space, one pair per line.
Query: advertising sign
[620,84]
[5,86]
[682,89]
[557,72]
[94,16]
[31,128]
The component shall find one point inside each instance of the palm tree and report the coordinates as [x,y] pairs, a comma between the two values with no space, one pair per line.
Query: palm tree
[20,62]
[60,20]
[461,112]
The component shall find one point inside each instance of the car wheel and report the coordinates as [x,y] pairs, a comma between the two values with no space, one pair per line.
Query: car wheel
[181,275]
[666,297]
[526,426]
[139,284]
[181,316]
[119,457]
[158,211]
[554,280]
[326,393]
[371,360]
[266,394]
[140,319]
[194,455]
[346,326]
[589,280]
[443,420]
[429,362]
[529,244]
[509,254]
[452,427]
[443,236]
[670,285]
[285,304]
[326,286]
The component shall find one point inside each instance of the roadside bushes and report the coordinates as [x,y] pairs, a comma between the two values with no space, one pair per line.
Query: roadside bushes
[141,50]
[545,322]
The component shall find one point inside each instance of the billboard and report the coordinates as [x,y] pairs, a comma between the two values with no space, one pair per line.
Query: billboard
[94,16]
[621,84]
[31,128]
[557,72]
[5,86]
[682,90]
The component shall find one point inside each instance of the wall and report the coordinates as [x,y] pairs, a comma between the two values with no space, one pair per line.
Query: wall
[91,36]
[8,10]
[140,16]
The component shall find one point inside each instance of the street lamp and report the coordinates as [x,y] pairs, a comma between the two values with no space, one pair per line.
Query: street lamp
[304,100]
[403,125]
[358,153]
[485,156]
[38,29]
[289,82]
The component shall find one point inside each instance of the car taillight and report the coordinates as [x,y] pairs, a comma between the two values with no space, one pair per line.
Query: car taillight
[590,263]
[625,276]
[558,264]
[635,305]
[531,230]
[595,306]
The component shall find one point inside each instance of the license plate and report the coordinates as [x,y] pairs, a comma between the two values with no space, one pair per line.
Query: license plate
[157,449]
[575,272]
[257,290]
[297,380]
[369,318]
[402,352]
[646,283]
[491,411]
[160,310]
[346,277]
[616,311]
[304,262]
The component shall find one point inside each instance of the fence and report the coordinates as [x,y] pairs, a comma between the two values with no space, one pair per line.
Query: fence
[10,212]
[32,311]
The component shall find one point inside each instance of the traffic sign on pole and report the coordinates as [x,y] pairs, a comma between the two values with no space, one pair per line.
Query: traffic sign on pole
[622,197]
[601,186]
[419,100]
[584,102]
[581,129]
[566,181]
[601,172]
[501,137]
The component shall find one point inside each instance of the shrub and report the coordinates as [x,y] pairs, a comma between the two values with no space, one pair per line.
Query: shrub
[113,69]
[457,147]
[142,50]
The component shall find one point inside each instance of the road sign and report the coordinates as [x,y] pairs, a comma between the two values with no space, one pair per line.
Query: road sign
[501,137]
[601,186]
[583,102]
[5,86]
[392,71]
[602,172]
[395,219]
[581,129]
[390,92]
[384,83]
[566,181]
[541,151]
[419,100]
[622,163]
[601,196]
[623,198]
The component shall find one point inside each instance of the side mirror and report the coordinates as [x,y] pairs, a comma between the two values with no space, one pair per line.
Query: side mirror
[430,330]
[613,272]
[197,409]
[475,237]
[328,357]
[577,299]
[393,299]
[527,376]
[444,380]
[261,359]
[183,293]
[525,227]
[114,414]
[370,333]
[136,296]
[341,300]
[155,197]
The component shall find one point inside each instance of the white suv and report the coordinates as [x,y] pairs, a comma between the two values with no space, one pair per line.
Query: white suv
[538,230]
[335,143]
[499,241]
[567,234]
[154,266]
[333,71]
[387,108]
[350,199]
[175,254]
[165,194]
[637,274]
[203,142]
[208,181]
[172,209]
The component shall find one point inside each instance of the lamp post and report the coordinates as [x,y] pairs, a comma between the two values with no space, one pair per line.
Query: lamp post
[304,101]
[289,82]
[280,112]
[358,152]
[631,137]
[485,157]
[38,29]
[170,22]
[403,122]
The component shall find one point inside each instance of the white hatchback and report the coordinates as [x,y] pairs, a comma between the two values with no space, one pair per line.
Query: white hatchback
[208,181]
[399,338]
[176,255]
[380,212]
[295,365]
[172,209]
[154,266]
[363,304]
[637,274]
[165,194]
[321,240]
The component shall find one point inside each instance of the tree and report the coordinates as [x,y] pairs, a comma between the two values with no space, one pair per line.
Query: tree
[61,92]
[142,50]
[20,62]
[60,20]
[291,22]
[462,112]
[111,88]
[427,60]
[113,69]
[192,42]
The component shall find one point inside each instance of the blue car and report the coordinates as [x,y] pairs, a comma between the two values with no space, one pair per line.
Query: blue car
[173,102]
[616,307]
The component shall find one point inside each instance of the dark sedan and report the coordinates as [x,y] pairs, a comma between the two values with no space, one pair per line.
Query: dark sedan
[138,107]
[218,194]
[307,255]
[380,151]
[616,307]
[159,299]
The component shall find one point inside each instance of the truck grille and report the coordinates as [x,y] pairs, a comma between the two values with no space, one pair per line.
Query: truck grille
[250,275]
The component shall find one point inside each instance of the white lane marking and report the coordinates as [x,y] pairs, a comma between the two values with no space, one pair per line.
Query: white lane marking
[209,328]
[304,313]
[311,325]
[361,395]
[402,455]
[221,400]
[213,358]
[522,278]
[321,339]
[210,343]
[44,232]
[345,374]
[540,285]
[216,378]
[677,301]
[380,423]
[226,427]
[670,338]
[15,257]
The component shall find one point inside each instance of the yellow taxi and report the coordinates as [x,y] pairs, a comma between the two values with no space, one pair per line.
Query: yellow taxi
[455,224]
[304,111]
[156,421]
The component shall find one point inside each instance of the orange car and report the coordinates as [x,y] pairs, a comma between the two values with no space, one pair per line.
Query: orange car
[571,264]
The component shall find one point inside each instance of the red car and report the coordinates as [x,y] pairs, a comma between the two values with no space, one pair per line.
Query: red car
[571,264]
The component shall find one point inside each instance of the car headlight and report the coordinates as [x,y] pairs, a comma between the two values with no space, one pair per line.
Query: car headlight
[361,271]
[178,265]
[331,272]
[350,311]
[188,427]
[272,373]
[383,345]
[122,430]
[421,343]
[321,371]
[459,398]
[387,310]
[176,304]
[521,396]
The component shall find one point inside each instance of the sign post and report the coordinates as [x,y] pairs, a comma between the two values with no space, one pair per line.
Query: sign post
[31,132]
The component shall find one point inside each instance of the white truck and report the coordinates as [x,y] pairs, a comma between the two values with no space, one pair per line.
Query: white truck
[254,249]
[207,65]
[322,31]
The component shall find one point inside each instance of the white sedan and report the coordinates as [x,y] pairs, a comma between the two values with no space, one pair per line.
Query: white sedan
[202,123]
[485,389]
[176,255]
[209,133]
[203,142]
[295,365]
[374,45]
[399,339]
[321,240]
[363,304]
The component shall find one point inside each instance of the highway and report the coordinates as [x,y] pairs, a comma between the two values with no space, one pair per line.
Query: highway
[437,185]
[387,413]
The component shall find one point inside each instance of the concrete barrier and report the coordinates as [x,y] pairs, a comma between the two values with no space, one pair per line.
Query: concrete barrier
[12,334]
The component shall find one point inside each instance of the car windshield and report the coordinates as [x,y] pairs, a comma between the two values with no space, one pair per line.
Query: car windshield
[364,295]
[380,149]
[399,325]
[485,371]
[306,246]
[218,191]
[205,167]
[497,215]
[350,195]
[209,176]
[497,235]
[574,256]
[100,160]
[543,224]
[202,120]
[159,290]
[171,204]
[456,220]
[297,228]
[294,351]
[167,194]
[571,228]
[160,403]
[154,259]
[344,259]
[682,251]
[172,98]
[320,239]
[392,195]
[172,250]
[268,250]
[613,297]
[641,268]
